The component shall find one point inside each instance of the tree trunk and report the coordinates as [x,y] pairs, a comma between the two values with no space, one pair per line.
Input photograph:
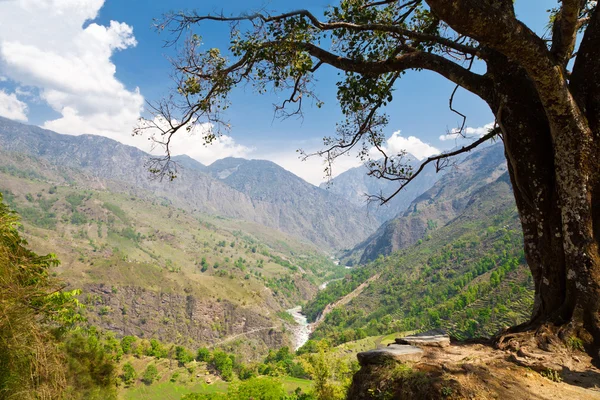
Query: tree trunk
[555,182]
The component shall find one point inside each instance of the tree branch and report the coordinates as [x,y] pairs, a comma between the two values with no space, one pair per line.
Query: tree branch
[564,30]
[383,200]
[477,84]
[184,21]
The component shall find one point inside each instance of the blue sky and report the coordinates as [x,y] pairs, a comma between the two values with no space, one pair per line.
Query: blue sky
[88,66]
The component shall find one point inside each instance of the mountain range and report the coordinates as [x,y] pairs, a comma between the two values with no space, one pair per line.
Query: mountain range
[251,190]
[445,200]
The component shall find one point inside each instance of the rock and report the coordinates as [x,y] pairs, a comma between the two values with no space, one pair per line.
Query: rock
[394,352]
[430,338]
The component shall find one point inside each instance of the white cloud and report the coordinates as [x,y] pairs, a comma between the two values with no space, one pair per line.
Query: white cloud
[312,169]
[469,132]
[413,145]
[191,140]
[44,45]
[11,107]
[223,146]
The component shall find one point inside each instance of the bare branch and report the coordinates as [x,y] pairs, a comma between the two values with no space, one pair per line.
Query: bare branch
[438,160]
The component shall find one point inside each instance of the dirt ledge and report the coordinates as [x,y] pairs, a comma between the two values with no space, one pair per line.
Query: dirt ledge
[476,371]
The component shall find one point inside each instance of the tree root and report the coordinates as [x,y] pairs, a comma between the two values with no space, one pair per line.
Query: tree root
[542,347]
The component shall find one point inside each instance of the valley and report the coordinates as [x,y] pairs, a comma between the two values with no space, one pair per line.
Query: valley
[162,273]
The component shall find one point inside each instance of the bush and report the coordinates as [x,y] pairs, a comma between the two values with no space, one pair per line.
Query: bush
[223,364]
[150,374]
[183,355]
[203,354]
[128,374]
[126,343]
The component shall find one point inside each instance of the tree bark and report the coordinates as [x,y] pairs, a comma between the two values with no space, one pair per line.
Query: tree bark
[528,144]
[554,166]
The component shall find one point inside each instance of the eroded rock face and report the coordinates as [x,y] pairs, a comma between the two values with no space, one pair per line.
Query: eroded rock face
[394,352]
[171,317]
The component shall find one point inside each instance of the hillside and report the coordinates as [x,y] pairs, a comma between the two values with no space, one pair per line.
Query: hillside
[297,208]
[153,270]
[468,276]
[443,202]
[288,202]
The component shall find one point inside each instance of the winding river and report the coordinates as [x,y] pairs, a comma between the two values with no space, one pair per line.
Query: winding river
[302,330]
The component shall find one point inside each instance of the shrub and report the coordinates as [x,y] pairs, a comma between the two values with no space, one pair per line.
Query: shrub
[128,374]
[203,354]
[150,374]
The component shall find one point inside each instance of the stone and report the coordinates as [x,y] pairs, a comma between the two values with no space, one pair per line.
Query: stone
[430,338]
[393,352]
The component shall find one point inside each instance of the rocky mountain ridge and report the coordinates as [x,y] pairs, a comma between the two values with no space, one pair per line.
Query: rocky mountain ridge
[283,201]
[435,207]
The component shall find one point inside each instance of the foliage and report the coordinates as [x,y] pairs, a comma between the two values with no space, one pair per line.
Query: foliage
[469,280]
[34,314]
[91,361]
[183,355]
[223,363]
[261,388]
[203,354]
[150,374]
[128,373]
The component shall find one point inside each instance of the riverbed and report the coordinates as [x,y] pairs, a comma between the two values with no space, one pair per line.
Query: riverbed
[302,329]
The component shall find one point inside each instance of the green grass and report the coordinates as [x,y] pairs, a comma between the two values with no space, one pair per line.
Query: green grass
[171,391]
[290,384]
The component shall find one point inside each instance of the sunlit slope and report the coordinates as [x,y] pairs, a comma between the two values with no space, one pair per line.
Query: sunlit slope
[468,277]
[151,269]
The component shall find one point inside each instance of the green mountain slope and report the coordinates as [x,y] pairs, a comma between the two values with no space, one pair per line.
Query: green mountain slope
[151,269]
[467,276]
[443,202]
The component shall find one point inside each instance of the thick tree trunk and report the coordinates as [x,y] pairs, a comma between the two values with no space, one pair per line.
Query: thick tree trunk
[555,186]
[552,148]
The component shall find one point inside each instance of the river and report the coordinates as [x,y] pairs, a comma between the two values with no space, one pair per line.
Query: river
[302,330]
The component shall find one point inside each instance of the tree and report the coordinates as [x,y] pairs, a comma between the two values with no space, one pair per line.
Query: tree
[150,374]
[183,355]
[129,373]
[544,92]
[36,315]
[223,363]
[203,354]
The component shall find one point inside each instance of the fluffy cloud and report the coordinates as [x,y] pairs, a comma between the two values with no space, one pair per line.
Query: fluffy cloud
[191,141]
[413,145]
[469,132]
[223,146]
[45,46]
[11,107]
[312,169]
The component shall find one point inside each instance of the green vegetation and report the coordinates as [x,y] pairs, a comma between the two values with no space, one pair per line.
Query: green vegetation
[41,355]
[150,374]
[470,279]
[117,240]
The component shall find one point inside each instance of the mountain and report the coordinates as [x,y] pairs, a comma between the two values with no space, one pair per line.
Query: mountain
[355,184]
[444,201]
[467,276]
[290,202]
[296,208]
[154,270]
